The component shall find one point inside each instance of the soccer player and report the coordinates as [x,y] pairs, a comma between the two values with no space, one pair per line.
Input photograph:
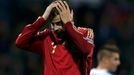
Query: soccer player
[66,49]
[108,61]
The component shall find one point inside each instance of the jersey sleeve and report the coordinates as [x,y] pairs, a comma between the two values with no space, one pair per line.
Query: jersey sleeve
[84,43]
[30,39]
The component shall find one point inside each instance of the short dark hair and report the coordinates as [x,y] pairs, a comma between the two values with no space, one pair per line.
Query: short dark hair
[106,51]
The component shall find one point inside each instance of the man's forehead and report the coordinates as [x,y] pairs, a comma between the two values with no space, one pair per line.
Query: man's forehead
[56,19]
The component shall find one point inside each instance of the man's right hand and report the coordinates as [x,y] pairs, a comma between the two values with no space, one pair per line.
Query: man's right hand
[48,10]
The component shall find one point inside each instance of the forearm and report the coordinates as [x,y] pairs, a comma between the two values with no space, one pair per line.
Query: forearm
[86,46]
[29,32]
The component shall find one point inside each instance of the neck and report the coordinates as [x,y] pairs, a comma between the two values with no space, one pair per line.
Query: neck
[102,66]
[61,34]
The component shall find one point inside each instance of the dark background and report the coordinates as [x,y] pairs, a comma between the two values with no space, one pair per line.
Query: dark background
[110,19]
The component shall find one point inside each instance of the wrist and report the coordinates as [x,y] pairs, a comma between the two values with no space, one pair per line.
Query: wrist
[65,22]
[44,17]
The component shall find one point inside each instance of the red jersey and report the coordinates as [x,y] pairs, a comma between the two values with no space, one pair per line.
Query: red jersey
[57,59]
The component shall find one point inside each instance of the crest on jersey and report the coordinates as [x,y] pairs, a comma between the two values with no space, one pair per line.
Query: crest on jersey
[90,36]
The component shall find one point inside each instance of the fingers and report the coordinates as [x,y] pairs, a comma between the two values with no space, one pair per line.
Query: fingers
[62,6]
[67,7]
[59,10]
[72,14]
[51,6]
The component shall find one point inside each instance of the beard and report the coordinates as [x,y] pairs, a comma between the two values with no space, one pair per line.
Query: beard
[61,34]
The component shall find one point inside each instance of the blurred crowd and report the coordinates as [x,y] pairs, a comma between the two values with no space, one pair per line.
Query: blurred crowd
[110,19]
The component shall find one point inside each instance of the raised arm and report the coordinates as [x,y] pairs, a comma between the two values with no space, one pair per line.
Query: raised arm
[32,40]
[84,39]
[84,42]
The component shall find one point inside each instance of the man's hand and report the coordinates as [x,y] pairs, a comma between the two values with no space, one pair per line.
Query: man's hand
[65,14]
[48,10]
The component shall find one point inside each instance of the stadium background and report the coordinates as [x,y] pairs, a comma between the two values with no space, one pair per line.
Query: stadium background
[110,19]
